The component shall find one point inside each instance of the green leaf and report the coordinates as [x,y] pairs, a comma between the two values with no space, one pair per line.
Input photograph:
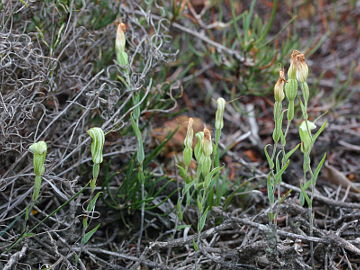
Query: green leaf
[188,187]
[266,28]
[179,210]
[202,220]
[303,196]
[303,109]
[292,151]
[321,129]
[85,223]
[92,202]
[196,246]
[270,190]
[199,205]
[210,177]
[317,170]
[280,173]
[28,235]
[89,234]
[184,226]
[271,216]
[183,173]
[140,151]
[306,185]
[269,160]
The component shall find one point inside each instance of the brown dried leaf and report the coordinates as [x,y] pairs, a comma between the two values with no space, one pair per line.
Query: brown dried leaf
[336,177]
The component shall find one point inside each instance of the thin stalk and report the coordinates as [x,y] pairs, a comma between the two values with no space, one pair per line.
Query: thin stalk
[216,148]
[311,217]
[142,181]
[272,176]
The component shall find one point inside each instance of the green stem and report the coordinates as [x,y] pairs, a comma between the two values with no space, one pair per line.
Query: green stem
[216,148]
[95,174]
[142,182]
[37,187]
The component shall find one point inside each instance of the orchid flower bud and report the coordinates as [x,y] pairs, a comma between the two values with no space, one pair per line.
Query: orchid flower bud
[279,87]
[189,134]
[298,68]
[187,154]
[39,150]
[207,149]
[207,143]
[121,55]
[292,68]
[302,69]
[97,144]
[198,148]
[219,117]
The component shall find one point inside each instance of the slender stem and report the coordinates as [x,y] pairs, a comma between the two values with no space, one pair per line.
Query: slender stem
[216,148]
[311,217]
[142,181]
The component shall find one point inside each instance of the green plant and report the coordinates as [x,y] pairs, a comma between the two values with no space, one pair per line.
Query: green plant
[39,151]
[201,186]
[278,165]
[280,158]
[97,144]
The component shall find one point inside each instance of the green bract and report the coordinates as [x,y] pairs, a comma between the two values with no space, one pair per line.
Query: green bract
[97,144]
[187,154]
[198,148]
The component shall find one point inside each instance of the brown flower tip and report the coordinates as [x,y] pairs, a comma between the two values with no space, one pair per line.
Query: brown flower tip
[294,54]
[190,123]
[120,25]
[123,26]
[207,144]
[282,75]
[207,134]
[298,68]
[301,67]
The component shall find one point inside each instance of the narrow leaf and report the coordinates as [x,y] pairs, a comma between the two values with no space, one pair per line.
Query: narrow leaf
[269,160]
[317,170]
[89,234]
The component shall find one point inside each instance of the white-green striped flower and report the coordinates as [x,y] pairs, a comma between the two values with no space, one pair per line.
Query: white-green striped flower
[219,117]
[188,152]
[97,144]
[39,150]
